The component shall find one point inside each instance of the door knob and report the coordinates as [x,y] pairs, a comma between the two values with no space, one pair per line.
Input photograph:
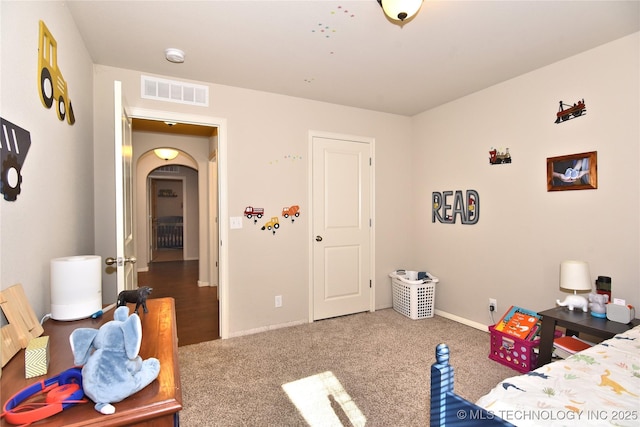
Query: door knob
[120,261]
[318,238]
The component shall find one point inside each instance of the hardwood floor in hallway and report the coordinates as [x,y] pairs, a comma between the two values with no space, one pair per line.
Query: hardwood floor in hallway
[197,309]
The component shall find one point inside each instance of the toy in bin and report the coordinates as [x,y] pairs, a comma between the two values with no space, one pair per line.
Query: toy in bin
[413,293]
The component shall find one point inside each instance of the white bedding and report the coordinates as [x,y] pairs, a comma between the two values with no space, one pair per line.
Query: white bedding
[599,386]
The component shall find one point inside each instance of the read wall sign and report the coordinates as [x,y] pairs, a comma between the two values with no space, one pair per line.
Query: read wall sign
[447,206]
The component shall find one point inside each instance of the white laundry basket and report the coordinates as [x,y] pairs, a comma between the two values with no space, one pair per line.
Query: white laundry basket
[413,297]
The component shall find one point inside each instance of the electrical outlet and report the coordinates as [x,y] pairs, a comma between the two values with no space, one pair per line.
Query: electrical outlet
[493,304]
[278,300]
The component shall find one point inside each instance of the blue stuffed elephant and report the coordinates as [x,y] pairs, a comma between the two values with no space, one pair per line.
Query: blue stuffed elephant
[112,368]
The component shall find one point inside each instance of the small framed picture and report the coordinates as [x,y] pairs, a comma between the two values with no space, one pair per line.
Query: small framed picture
[573,172]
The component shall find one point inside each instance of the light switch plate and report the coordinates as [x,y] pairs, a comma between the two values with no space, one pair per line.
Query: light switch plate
[235,222]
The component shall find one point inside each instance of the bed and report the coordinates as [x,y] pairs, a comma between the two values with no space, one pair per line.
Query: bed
[169,232]
[598,386]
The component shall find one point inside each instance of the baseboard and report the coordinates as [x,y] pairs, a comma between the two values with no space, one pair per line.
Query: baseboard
[202,284]
[143,269]
[462,320]
[444,314]
[267,328]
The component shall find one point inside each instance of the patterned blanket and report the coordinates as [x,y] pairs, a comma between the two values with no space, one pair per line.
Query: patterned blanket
[598,386]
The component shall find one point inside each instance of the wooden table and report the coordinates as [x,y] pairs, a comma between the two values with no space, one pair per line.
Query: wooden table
[156,405]
[575,322]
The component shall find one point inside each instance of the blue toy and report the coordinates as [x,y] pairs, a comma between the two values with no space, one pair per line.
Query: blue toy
[112,368]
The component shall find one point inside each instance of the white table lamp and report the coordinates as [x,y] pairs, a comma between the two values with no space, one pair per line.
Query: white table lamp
[575,276]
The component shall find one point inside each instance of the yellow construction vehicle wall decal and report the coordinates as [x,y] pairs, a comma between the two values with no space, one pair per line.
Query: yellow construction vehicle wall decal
[51,85]
[272,225]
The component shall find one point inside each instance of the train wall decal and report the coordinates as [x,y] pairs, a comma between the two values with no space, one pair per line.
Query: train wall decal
[499,157]
[568,112]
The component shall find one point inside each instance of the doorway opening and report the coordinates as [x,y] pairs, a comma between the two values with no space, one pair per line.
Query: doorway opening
[175,225]
[168,225]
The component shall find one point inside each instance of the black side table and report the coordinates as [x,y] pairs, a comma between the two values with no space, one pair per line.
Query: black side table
[575,322]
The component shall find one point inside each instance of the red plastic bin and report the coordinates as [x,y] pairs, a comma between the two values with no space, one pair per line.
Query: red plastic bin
[513,352]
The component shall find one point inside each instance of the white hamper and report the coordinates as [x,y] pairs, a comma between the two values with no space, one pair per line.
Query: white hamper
[413,297]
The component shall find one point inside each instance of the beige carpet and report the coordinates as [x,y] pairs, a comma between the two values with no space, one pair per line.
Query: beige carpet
[368,368]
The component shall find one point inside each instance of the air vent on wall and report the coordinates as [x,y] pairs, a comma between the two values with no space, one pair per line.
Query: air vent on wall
[174,91]
[168,169]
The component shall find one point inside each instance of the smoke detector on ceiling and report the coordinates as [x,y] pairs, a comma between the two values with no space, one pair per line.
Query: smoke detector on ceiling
[174,55]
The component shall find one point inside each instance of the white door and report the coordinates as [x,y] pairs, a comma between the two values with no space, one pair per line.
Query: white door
[341,191]
[213,221]
[126,277]
[153,218]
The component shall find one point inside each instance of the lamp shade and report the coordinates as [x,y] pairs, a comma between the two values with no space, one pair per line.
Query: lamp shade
[399,10]
[166,153]
[575,276]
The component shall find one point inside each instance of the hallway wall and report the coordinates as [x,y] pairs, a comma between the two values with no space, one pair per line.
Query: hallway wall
[53,215]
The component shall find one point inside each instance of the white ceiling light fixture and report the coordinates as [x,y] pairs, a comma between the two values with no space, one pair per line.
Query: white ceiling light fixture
[174,55]
[166,153]
[400,10]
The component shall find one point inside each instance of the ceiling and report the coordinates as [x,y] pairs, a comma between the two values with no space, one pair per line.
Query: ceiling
[347,52]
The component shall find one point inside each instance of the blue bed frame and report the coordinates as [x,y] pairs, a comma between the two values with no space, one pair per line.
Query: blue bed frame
[448,409]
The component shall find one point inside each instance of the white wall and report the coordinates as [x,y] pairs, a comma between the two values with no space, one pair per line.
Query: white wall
[512,254]
[53,215]
[265,131]
[524,232]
